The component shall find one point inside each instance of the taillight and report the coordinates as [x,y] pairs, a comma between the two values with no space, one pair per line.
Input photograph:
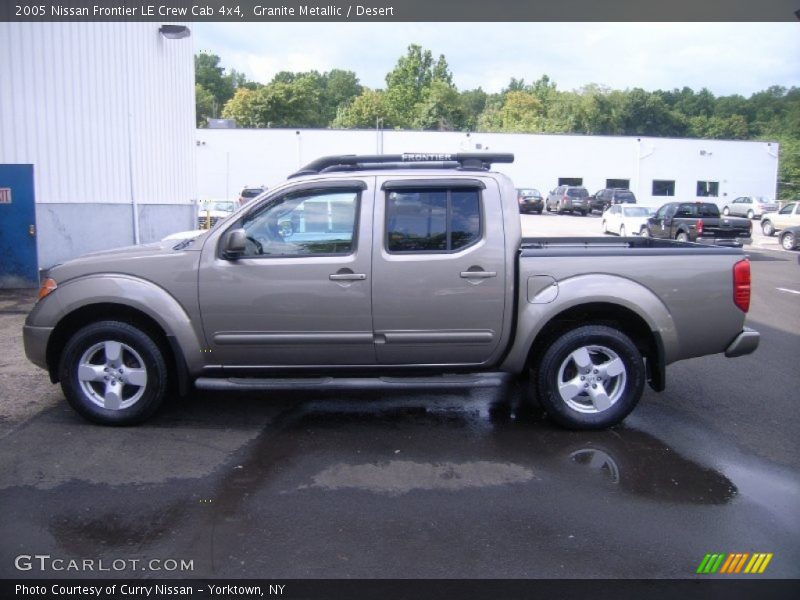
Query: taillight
[741,284]
[699,226]
[565,198]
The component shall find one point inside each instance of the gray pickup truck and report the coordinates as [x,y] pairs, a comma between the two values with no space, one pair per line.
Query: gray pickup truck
[390,270]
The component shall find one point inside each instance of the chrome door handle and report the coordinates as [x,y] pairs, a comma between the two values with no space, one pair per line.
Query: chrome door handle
[478,274]
[347,276]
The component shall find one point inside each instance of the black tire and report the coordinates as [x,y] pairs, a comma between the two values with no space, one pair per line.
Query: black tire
[788,241]
[751,215]
[644,231]
[767,228]
[726,211]
[682,236]
[138,354]
[600,343]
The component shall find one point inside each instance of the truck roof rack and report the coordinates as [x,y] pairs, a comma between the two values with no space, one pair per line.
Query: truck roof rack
[469,161]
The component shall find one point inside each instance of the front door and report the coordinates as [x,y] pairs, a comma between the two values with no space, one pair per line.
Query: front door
[439,283]
[301,294]
[18,262]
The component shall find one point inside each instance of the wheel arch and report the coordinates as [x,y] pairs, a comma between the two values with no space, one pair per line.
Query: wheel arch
[630,307]
[109,311]
[137,302]
[619,317]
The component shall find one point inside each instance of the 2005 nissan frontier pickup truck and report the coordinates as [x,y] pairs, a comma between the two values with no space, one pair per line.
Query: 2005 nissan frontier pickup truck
[389,270]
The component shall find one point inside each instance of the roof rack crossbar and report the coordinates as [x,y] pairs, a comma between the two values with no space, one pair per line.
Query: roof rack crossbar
[430,160]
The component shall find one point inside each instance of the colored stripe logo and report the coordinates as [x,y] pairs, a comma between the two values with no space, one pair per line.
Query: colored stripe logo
[736,562]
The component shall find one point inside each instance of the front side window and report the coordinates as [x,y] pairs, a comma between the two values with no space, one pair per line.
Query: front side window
[663,187]
[708,189]
[435,220]
[303,224]
[787,210]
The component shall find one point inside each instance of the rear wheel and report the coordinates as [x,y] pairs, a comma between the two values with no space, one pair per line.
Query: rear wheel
[622,231]
[767,228]
[644,231]
[726,211]
[590,378]
[682,237]
[750,214]
[788,241]
[113,373]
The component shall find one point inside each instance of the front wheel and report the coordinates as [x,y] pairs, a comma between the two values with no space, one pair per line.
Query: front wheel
[788,241]
[751,215]
[113,373]
[590,378]
[622,231]
[726,211]
[767,228]
[644,231]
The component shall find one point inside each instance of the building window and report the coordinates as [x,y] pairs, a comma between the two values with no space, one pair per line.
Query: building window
[663,187]
[618,183]
[570,181]
[708,189]
[436,220]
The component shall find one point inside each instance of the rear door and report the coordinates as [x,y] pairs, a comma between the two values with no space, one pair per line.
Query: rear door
[438,283]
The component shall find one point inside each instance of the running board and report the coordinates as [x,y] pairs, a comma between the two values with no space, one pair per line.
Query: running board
[475,380]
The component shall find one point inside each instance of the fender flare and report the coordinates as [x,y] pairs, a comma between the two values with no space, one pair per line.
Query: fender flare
[132,292]
[591,289]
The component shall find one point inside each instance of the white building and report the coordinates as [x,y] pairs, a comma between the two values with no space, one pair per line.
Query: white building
[105,114]
[654,168]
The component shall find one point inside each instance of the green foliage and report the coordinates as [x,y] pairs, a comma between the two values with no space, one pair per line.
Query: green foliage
[365,111]
[204,105]
[277,104]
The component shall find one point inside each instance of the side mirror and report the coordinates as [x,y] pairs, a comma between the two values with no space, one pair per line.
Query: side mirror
[234,244]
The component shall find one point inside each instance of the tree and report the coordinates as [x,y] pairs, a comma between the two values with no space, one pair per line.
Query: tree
[646,113]
[364,111]
[205,105]
[211,76]
[278,104]
[473,103]
[440,108]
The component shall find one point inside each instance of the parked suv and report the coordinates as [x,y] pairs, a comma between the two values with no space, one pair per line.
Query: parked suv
[750,206]
[568,198]
[608,196]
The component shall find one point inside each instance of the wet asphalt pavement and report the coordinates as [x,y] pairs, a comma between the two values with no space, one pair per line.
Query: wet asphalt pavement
[468,483]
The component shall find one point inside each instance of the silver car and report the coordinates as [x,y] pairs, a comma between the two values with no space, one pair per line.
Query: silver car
[751,207]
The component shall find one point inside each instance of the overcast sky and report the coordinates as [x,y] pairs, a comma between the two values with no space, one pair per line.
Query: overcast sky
[727,58]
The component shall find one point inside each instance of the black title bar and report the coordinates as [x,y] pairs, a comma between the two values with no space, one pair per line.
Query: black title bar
[254,11]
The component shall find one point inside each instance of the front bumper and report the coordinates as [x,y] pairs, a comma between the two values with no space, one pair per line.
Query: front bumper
[744,343]
[35,341]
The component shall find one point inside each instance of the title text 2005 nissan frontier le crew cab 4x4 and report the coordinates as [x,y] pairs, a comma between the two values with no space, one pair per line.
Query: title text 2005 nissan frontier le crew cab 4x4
[383,271]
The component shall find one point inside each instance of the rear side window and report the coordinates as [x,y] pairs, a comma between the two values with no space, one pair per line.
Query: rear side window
[435,220]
